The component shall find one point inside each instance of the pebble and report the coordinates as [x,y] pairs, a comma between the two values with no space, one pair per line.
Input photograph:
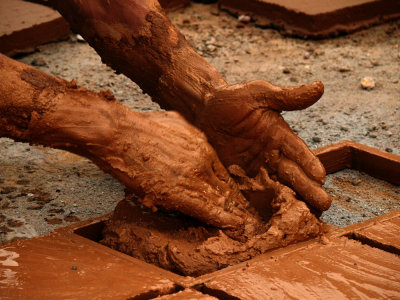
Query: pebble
[80,39]
[74,268]
[373,135]
[344,69]
[356,182]
[306,55]
[38,62]
[344,128]
[367,83]
[316,139]
[211,48]
[390,150]
[286,70]
[244,19]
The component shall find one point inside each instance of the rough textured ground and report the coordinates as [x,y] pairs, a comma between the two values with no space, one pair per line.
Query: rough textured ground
[41,189]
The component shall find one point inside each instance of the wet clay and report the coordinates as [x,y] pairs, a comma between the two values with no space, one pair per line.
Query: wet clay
[316,18]
[188,247]
[242,121]
[24,26]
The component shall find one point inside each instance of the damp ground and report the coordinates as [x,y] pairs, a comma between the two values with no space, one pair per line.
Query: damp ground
[42,189]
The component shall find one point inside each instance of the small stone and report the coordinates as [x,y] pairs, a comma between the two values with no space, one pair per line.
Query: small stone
[80,39]
[38,62]
[316,139]
[373,135]
[356,182]
[286,71]
[319,52]
[74,268]
[367,83]
[344,69]
[71,219]
[344,128]
[211,48]
[390,150]
[306,55]
[348,199]
[53,221]
[244,19]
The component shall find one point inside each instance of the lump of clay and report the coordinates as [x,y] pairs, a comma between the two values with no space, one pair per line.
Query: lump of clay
[188,247]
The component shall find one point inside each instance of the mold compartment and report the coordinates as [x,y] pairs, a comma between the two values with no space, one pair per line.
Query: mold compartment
[363,181]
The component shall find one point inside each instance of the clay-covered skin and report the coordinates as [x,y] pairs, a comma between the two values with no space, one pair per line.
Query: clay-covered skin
[163,159]
[188,247]
[242,121]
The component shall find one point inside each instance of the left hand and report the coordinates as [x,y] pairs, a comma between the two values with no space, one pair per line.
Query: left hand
[245,127]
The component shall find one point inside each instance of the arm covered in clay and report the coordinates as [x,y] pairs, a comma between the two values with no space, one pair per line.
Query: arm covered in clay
[242,121]
[166,161]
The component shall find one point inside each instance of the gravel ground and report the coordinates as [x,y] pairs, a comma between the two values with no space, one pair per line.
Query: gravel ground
[42,189]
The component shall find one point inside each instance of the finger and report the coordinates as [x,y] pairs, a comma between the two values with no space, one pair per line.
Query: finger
[290,174]
[296,150]
[197,207]
[286,98]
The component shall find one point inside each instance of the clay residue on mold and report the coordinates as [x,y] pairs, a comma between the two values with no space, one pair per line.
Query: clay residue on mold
[189,247]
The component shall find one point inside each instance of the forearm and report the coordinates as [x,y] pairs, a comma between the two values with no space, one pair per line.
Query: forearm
[45,110]
[137,39]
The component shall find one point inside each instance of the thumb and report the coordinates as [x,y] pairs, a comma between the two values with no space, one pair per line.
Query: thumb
[286,98]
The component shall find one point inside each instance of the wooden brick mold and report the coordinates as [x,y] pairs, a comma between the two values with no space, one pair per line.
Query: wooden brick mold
[359,261]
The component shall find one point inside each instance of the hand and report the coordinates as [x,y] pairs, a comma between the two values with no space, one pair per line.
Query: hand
[244,125]
[170,164]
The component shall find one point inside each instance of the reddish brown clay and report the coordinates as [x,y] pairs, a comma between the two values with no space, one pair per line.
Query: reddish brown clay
[242,121]
[24,26]
[315,18]
[190,248]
